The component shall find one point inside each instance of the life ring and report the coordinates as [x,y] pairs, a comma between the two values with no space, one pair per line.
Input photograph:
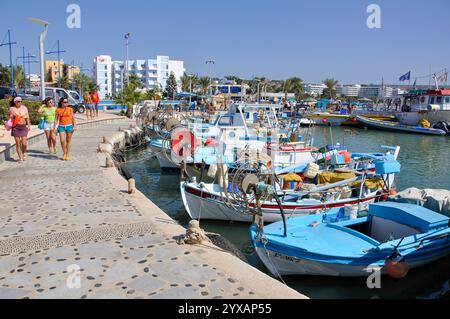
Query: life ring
[183,143]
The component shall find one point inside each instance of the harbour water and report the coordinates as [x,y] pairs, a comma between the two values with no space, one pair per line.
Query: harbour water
[425,164]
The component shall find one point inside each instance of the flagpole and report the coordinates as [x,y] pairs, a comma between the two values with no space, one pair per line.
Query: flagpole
[446,77]
[429,79]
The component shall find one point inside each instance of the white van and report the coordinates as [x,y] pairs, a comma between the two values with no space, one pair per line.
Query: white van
[74,102]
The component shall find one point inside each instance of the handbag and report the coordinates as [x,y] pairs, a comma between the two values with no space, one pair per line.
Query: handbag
[8,124]
[41,125]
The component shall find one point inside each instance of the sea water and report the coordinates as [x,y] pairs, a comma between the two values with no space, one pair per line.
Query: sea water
[425,164]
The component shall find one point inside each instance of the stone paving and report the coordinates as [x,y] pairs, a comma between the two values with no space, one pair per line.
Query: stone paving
[69,230]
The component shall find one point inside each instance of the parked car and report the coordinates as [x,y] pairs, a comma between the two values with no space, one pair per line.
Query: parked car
[4,91]
[58,93]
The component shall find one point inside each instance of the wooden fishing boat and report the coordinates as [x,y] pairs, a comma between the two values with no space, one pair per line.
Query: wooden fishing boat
[392,238]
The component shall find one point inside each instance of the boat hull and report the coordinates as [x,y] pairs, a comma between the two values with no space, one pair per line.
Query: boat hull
[201,204]
[328,120]
[283,265]
[412,118]
[388,126]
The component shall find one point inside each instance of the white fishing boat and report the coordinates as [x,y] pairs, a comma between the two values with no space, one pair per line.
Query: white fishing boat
[392,238]
[413,107]
[327,119]
[330,189]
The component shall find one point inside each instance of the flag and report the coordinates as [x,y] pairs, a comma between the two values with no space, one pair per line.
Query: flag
[405,77]
[442,78]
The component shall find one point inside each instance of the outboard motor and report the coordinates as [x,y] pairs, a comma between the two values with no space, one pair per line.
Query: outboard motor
[445,126]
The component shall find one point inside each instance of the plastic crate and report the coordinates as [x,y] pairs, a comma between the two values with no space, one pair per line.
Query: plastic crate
[387,167]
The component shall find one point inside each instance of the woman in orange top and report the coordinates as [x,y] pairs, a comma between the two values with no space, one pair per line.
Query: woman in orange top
[65,122]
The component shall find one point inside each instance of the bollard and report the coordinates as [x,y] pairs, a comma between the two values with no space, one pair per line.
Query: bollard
[109,162]
[131,186]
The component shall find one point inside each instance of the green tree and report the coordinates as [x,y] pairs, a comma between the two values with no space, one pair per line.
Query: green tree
[135,81]
[293,85]
[204,83]
[171,86]
[93,86]
[5,75]
[129,97]
[188,82]
[185,83]
[330,90]
[234,78]
[150,94]
[65,83]
[18,77]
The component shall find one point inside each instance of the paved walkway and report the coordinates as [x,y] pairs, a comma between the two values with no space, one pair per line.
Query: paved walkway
[69,230]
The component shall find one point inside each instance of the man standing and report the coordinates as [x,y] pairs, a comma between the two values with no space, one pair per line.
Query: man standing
[95,100]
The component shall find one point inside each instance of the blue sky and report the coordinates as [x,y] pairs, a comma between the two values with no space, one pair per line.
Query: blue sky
[278,39]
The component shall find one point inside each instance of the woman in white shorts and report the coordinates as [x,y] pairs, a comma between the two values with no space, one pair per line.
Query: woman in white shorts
[48,110]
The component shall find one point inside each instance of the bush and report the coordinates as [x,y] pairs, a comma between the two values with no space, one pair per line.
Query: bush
[32,106]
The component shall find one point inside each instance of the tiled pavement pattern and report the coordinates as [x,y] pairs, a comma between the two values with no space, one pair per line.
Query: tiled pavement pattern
[69,231]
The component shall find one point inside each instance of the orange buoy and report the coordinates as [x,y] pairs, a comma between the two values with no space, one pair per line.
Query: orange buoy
[347,156]
[392,192]
[210,141]
[396,266]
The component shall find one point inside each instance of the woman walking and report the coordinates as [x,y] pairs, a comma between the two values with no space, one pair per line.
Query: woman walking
[65,122]
[48,110]
[89,106]
[18,113]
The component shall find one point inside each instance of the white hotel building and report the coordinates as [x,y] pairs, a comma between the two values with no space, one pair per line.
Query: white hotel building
[350,90]
[103,75]
[152,73]
[314,89]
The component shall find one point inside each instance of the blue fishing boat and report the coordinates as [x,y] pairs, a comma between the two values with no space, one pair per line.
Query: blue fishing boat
[331,244]
[397,127]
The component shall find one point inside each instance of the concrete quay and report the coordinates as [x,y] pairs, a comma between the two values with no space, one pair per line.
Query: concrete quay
[71,230]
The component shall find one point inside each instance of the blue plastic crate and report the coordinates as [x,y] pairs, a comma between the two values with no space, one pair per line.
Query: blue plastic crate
[338,159]
[387,167]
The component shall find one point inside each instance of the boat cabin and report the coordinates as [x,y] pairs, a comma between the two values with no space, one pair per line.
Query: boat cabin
[416,101]
[392,221]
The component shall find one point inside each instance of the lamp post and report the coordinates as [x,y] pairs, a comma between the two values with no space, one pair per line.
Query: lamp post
[210,62]
[29,56]
[58,52]
[41,52]
[127,37]
[23,57]
[11,65]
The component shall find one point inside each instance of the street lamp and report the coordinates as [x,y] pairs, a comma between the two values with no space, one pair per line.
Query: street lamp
[41,51]
[210,62]
[127,37]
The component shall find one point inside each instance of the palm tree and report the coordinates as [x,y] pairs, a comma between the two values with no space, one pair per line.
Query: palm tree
[293,85]
[234,78]
[188,82]
[150,94]
[18,77]
[185,83]
[204,83]
[331,87]
[128,96]
[135,81]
